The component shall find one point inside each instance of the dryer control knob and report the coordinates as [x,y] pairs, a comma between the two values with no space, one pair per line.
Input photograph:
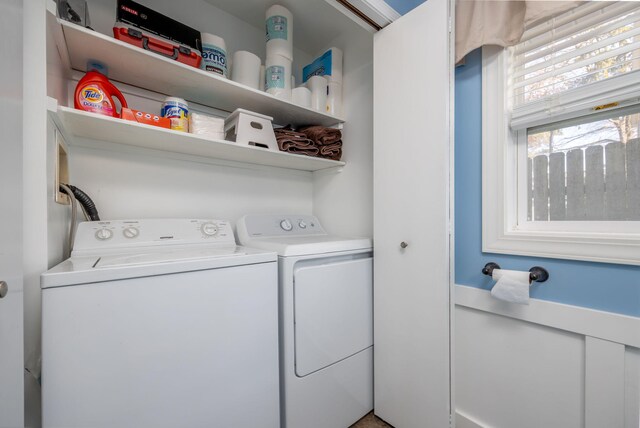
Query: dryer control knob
[103,234]
[131,232]
[209,229]
[286,225]
[302,224]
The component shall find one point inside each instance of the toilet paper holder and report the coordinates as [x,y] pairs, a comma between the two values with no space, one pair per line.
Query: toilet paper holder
[536,273]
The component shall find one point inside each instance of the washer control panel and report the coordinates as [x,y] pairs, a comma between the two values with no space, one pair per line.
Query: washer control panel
[279,225]
[93,235]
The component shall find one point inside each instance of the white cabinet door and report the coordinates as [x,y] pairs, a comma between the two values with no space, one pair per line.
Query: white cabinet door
[412,138]
[11,342]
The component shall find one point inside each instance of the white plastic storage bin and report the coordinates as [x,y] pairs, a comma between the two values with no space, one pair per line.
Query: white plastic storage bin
[250,128]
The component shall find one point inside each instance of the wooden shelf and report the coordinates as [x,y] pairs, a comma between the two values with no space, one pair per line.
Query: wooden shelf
[78,124]
[135,66]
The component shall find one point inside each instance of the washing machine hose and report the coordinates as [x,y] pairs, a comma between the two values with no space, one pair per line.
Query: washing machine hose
[85,200]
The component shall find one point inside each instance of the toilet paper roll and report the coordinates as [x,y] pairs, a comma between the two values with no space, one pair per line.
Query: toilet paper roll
[511,286]
[246,69]
[279,31]
[214,54]
[262,81]
[301,96]
[278,76]
[334,98]
[318,87]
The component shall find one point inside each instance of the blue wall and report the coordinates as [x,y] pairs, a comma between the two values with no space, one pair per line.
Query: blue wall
[404,6]
[607,287]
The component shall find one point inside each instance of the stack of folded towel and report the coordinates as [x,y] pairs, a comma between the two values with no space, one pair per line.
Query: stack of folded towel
[295,142]
[311,141]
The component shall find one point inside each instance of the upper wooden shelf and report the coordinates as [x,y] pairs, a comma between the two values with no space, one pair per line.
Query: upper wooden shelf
[134,66]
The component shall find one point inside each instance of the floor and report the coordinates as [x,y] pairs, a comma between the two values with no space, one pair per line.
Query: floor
[370,421]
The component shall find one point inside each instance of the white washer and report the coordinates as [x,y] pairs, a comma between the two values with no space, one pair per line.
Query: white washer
[160,323]
[326,319]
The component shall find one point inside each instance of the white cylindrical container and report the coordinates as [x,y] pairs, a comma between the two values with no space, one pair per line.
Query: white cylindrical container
[177,110]
[279,31]
[246,69]
[214,54]
[318,87]
[334,98]
[278,76]
[262,81]
[301,96]
[336,66]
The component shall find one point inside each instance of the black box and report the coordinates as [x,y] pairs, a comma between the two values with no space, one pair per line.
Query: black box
[132,13]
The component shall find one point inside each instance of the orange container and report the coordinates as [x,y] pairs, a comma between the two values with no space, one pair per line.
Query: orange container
[146,118]
[95,93]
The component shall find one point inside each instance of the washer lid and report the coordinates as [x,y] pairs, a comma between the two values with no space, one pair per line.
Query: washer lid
[150,262]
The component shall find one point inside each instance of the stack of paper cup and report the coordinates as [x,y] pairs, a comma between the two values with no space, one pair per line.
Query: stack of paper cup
[318,87]
[214,54]
[246,69]
[279,30]
[278,77]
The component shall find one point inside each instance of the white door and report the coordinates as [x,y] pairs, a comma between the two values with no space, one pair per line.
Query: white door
[412,122]
[11,342]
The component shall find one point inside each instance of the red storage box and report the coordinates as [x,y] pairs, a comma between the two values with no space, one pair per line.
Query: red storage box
[144,27]
[155,44]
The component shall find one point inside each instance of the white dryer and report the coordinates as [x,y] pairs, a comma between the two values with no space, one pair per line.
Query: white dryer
[326,319]
[160,323]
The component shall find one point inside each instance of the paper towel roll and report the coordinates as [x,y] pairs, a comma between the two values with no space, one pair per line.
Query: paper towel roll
[301,96]
[263,83]
[278,76]
[511,286]
[334,98]
[318,87]
[214,54]
[279,31]
[246,69]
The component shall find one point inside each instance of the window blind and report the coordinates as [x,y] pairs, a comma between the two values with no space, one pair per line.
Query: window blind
[578,62]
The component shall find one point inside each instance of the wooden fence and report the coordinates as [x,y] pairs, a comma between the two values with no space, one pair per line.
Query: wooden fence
[601,182]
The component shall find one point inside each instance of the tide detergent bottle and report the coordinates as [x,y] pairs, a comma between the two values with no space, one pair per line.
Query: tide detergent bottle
[95,93]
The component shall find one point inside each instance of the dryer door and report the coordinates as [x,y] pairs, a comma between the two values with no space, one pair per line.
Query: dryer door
[333,309]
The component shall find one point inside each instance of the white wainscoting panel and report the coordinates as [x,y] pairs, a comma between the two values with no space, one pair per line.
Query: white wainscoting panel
[632,388]
[507,372]
[604,383]
[544,365]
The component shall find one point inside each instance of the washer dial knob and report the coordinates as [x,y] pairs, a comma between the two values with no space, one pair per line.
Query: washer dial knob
[103,234]
[302,224]
[131,232]
[209,229]
[286,225]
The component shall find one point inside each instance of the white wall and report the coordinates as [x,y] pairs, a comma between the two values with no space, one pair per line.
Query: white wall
[344,201]
[544,365]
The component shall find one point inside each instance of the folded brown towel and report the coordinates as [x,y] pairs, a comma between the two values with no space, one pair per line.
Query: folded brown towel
[322,136]
[295,142]
[332,151]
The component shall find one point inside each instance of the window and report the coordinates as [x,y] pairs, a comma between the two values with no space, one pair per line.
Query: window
[561,138]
